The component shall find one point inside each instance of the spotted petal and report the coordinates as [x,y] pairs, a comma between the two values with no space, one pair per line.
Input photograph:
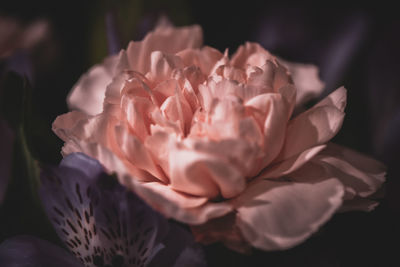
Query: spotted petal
[97,218]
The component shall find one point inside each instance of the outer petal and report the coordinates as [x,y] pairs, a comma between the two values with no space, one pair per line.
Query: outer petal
[202,174]
[306,80]
[28,251]
[272,113]
[278,215]
[88,93]
[171,205]
[362,174]
[314,127]
[165,39]
[290,165]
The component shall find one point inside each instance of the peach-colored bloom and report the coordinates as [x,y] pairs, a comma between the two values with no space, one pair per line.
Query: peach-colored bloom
[210,140]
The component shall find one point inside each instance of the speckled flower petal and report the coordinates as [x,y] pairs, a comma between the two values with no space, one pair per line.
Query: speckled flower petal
[96,217]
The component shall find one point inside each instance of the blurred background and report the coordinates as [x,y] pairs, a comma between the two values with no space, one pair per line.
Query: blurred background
[54,43]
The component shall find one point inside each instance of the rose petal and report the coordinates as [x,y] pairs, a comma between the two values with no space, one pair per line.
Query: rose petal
[250,53]
[88,93]
[311,128]
[182,207]
[205,58]
[279,215]
[202,174]
[362,174]
[272,113]
[165,39]
[137,154]
[162,65]
[290,165]
[337,98]
[306,79]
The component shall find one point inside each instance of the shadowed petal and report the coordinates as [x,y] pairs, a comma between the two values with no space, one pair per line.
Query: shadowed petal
[314,127]
[279,215]
[306,79]
[290,165]
[29,251]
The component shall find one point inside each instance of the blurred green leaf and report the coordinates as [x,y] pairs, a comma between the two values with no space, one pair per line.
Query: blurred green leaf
[21,212]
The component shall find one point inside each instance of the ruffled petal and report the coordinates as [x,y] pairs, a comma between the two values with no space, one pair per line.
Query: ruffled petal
[181,207]
[252,54]
[306,79]
[88,93]
[202,174]
[313,127]
[136,153]
[165,39]
[279,215]
[28,251]
[204,58]
[290,165]
[362,174]
[162,65]
[272,113]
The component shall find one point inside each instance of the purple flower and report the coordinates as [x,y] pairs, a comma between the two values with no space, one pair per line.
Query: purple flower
[101,223]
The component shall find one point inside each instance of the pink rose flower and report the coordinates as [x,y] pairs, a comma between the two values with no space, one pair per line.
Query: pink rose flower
[211,140]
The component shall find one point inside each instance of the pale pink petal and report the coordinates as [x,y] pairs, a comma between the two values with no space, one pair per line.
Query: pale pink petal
[175,108]
[162,65]
[337,98]
[290,165]
[311,128]
[201,174]
[362,174]
[182,207]
[88,93]
[271,112]
[165,39]
[190,96]
[231,73]
[279,215]
[224,118]
[204,58]
[250,53]
[232,151]
[71,124]
[182,200]
[136,153]
[137,112]
[306,79]
[194,75]
[262,77]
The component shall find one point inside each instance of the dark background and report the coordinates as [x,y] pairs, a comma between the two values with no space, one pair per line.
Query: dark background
[354,46]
